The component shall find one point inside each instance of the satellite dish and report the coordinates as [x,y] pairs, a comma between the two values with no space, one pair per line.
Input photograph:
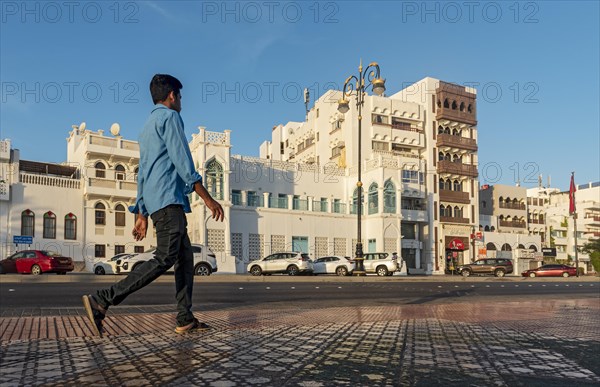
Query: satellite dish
[114,129]
[82,126]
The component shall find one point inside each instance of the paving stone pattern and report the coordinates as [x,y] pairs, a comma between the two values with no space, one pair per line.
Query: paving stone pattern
[508,344]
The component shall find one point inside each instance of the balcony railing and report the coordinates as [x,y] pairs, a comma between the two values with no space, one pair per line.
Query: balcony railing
[513,206]
[452,219]
[50,181]
[300,204]
[536,221]
[449,140]
[389,209]
[338,208]
[319,206]
[455,115]
[447,166]
[354,209]
[505,223]
[454,196]
[255,201]
[278,202]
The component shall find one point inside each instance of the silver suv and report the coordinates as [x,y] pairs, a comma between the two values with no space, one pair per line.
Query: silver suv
[380,263]
[205,261]
[292,263]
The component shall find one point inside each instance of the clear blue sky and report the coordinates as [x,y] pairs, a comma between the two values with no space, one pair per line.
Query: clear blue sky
[243,65]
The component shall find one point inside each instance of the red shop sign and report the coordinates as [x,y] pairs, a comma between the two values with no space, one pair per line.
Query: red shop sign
[456,244]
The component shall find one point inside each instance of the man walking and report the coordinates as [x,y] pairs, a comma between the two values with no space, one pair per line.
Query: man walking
[166,176]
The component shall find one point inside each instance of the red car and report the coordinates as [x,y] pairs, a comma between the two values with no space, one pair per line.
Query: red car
[552,270]
[36,262]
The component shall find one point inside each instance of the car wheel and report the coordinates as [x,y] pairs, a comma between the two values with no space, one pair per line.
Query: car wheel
[36,270]
[293,270]
[531,275]
[499,273]
[341,271]
[99,271]
[202,269]
[565,274]
[255,270]
[466,273]
[382,271]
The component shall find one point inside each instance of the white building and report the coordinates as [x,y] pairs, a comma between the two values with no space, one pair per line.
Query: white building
[419,175]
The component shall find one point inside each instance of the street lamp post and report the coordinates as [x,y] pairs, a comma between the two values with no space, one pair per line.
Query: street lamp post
[359,87]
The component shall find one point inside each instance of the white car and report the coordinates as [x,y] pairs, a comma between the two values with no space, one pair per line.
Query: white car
[205,261]
[380,263]
[292,263]
[333,265]
[109,266]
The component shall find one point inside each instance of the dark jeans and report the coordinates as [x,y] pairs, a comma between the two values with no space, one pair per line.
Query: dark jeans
[173,248]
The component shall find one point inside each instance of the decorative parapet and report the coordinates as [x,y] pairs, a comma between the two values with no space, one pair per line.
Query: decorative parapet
[29,178]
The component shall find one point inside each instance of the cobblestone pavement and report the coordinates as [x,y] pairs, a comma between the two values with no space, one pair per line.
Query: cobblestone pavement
[549,343]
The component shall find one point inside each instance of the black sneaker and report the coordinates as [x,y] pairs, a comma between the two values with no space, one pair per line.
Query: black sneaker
[95,313]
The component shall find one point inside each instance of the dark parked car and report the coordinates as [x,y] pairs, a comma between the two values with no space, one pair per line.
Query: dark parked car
[36,262]
[552,270]
[496,266]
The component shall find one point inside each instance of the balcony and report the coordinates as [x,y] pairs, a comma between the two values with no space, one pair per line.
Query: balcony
[278,202]
[536,221]
[52,181]
[414,215]
[110,187]
[512,206]
[319,205]
[452,219]
[338,208]
[504,223]
[113,146]
[451,141]
[455,115]
[454,196]
[447,166]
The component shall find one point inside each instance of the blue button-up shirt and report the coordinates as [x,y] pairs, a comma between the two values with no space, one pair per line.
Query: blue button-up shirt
[166,172]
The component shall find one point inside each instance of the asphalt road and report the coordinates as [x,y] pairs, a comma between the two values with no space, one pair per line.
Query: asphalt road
[212,295]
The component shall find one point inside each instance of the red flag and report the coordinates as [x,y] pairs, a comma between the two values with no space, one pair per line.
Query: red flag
[572,190]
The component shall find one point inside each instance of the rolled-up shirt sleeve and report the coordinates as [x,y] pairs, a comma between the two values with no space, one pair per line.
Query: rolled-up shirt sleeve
[139,205]
[179,151]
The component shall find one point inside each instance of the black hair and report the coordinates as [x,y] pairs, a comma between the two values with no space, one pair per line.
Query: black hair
[162,85]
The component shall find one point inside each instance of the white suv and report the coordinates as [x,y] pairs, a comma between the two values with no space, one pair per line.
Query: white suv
[291,263]
[205,262]
[380,263]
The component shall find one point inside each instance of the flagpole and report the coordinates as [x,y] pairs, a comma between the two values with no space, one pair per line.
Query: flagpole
[575,225]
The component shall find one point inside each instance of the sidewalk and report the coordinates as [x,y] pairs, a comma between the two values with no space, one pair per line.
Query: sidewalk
[528,343]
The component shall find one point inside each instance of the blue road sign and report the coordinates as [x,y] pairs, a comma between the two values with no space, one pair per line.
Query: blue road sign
[22,239]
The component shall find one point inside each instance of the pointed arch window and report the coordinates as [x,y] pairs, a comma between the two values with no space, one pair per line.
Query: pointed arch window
[214,179]
[70,226]
[446,103]
[373,198]
[457,186]
[389,197]
[440,129]
[490,246]
[49,225]
[120,172]
[136,171]
[28,223]
[120,215]
[100,214]
[506,247]
[100,170]
[442,184]
[354,209]
[454,105]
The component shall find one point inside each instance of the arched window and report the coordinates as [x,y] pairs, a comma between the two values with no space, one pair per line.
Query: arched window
[447,130]
[442,184]
[462,106]
[354,209]
[541,218]
[520,246]
[486,228]
[456,159]
[100,217]
[28,223]
[506,247]
[448,157]
[448,184]
[440,156]
[70,226]
[533,248]
[100,170]
[440,129]
[455,132]
[120,172]
[136,171]
[469,109]
[49,225]
[454,105]
[492,228]
[442,210]
[457,186]
[490,246]
[389,197]
[501,202]
[373,198]
[120,215]
[214,179]
[458,212]
[446,103]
